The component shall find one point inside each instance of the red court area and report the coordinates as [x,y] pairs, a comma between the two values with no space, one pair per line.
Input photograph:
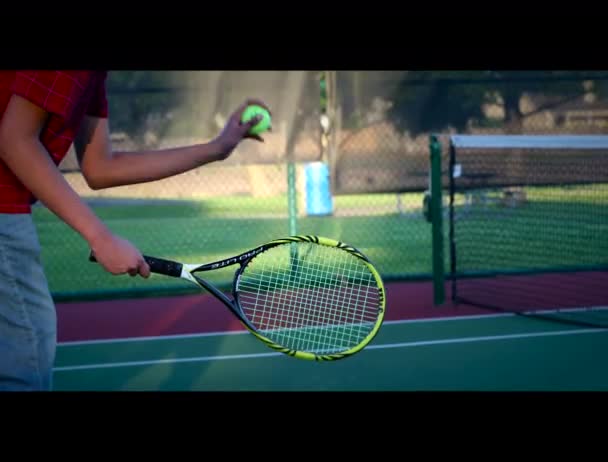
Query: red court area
[553,291]
[195,314]
[192,314]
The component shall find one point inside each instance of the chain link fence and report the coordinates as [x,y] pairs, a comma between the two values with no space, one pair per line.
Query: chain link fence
[358,144]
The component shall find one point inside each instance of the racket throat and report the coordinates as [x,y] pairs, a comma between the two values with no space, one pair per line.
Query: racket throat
[230,304]
[187,272]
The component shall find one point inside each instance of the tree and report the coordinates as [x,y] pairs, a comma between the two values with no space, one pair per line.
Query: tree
[426,101]
[141,100]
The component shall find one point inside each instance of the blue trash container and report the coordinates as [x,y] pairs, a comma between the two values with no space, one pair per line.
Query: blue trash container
[318,191]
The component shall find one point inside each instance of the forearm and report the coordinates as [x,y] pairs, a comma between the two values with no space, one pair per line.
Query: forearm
[125,168]
[102,167]
[30,162]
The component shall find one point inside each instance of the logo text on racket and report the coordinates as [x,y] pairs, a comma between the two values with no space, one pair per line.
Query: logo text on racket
[240,258]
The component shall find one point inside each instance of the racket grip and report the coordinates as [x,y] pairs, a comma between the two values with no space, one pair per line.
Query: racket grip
[157,265]
[166,267]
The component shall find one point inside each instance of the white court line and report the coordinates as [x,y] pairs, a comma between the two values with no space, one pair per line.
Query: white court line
[371,347]
[240,332]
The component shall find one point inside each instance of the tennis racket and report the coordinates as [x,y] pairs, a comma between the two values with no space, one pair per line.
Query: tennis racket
[309,297]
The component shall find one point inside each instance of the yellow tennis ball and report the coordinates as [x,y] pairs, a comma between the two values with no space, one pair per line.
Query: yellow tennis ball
[262,125]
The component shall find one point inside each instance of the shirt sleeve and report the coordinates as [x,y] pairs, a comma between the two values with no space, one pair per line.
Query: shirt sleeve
[57,92]
[98,106]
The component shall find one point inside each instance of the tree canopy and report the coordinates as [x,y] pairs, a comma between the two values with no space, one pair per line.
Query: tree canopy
[426,101]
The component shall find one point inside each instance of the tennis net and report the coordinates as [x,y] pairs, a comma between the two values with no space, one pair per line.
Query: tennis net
[528,225]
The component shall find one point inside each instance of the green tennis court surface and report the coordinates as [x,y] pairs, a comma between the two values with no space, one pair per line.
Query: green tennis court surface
[410,352]
[473,352]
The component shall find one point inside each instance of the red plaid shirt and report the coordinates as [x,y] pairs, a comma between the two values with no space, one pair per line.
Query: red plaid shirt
[67,96]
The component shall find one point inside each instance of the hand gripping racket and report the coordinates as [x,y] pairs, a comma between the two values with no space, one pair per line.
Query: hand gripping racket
[309,297]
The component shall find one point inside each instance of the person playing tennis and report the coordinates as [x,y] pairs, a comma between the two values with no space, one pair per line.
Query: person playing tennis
[42,113]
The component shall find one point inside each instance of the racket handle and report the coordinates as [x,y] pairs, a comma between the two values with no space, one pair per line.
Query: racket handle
[166,267]
[157,265]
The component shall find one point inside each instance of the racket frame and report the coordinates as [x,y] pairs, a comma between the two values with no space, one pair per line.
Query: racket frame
[187,271]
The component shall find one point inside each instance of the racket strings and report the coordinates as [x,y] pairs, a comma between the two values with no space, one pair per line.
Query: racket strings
[318,294]
[310,297]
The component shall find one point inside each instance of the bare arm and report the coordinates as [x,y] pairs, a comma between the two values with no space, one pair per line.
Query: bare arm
[22,151]
[103,168]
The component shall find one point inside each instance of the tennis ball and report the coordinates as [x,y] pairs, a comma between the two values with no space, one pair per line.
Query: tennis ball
[262,125]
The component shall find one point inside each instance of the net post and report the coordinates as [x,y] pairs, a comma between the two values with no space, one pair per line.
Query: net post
[452,244]
[436,218]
